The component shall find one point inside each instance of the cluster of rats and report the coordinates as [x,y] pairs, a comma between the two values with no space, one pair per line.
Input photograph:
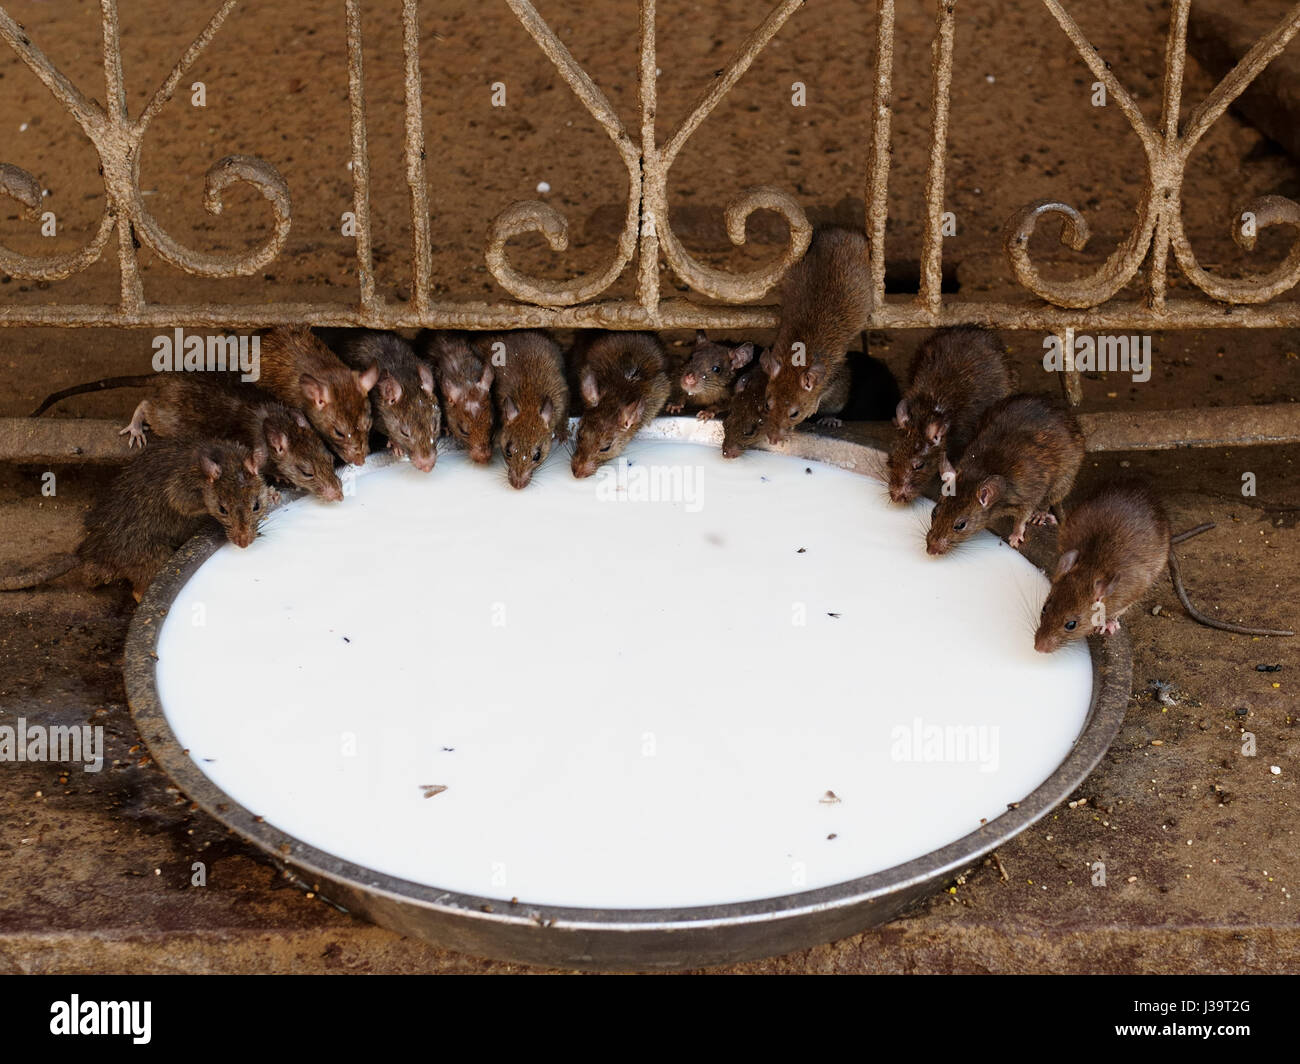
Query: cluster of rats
[998,454]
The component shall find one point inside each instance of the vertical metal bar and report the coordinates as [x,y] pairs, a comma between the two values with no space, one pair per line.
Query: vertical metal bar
[117,178]
[877,198]
[932,250]
[653,200]
[1071,379]
[416,176]
[360,157]
[1169,173]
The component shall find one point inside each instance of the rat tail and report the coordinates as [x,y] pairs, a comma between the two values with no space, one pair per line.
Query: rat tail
[38,574]
[104,384]
[1177,577]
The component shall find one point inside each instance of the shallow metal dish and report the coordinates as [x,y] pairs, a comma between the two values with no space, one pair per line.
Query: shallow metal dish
[618,939]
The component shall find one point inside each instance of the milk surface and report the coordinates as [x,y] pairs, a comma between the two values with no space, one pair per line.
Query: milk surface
[685,681]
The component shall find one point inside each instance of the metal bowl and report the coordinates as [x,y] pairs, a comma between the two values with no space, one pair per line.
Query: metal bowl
[618,939]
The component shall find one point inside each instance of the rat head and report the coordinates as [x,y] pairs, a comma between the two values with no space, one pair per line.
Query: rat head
[299,457]
[233,489]
[959,516]
[709,372]
[1076,603]
[795,386]
[614,411]
[469,411]
[922,434]
[339,409]
[409,417]
[525,438]
[744,421]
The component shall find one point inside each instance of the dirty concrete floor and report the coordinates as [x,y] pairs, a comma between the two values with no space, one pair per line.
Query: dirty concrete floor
[1198,841]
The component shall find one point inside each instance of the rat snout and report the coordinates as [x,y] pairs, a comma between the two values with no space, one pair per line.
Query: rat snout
[901,492]
[480,453]
[332,493]
[936,546]
[690,381]
[583,467]
[1044,643]
[731,450]
[242,537]
[519,479]
[424,462]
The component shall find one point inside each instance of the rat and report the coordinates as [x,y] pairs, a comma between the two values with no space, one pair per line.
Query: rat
[299,370]
[622,379]
[156,502]
[705,380]
[1114,545]
[1025,455]
[532,401]
[465,376]
[213,406]
[825,301]
[744,421]
[955,376]
[405,407]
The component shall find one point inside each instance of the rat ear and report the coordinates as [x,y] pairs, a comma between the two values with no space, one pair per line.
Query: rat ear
[770,363]
[1103,586]
[548,410]
[390,388]
[701,338]
[426,379]
[366,381]
[301,419]
[742,356]
[453,391]
[900,414]
[209,465]
[813,376]
[277,440]
[509,409]
[590,390]
[631,413]
[989,491]
[486,377]
[934,431]
[316,391]
[254,462]
[1065,563]
[946,470]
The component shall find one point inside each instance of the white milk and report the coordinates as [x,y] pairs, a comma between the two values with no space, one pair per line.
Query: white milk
[630,703]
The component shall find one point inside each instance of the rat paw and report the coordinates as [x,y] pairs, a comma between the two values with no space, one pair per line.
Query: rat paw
[1017,537]
[1042,517]
[674,408]
[135,435]
[829,421]
[1110,627]
[707,414]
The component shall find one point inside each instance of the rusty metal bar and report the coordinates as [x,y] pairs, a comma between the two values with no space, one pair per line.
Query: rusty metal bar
[648,278]
[416,175]
[882,100]
[932,250]
[360,158]
[1175,63]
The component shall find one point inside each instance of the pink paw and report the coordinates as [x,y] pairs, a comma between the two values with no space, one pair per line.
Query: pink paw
[1017,537]
[830,422]
[706,415]
[1110,627]
[1042,517]
[135,436]
[673,408]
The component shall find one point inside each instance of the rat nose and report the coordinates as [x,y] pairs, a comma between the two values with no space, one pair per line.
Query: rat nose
[482,455]
[424,463]
[333,494]
[583,469]
[689,380]
[935,546]
[1043,644]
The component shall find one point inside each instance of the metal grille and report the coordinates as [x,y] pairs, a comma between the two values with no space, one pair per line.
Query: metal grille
[1054,306]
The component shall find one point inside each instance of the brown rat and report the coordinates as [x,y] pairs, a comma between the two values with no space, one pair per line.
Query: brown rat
[465,376]
[955,376]
[621,379]
[1114,545]
[1025,455]
[743,424]
[405,407]
[825,301]
[156,502]
[215,405]
[299,370]
[532,400]
[705,380]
